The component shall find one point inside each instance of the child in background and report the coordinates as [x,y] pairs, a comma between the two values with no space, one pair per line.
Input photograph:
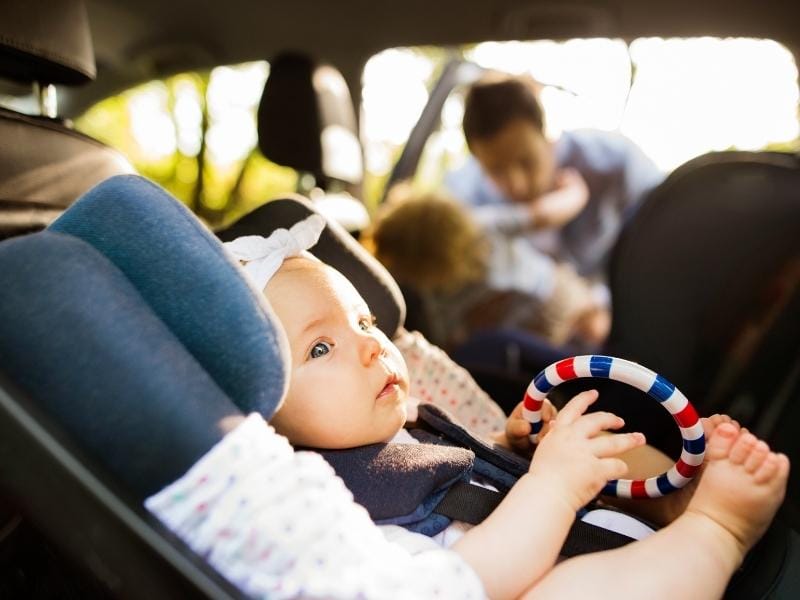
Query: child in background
[469,278]
[348,387]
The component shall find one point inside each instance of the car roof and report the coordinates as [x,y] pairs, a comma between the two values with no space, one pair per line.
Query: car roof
[138,40]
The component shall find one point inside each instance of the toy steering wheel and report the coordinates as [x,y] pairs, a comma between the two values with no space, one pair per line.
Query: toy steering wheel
[670,397]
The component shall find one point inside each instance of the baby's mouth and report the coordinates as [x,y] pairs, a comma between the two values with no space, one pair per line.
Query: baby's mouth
[391,387]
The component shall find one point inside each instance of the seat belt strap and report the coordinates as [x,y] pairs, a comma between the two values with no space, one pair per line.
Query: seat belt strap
[472,504]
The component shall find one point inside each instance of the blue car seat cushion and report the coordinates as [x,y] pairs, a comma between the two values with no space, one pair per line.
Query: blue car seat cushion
[182,271]
[102,364]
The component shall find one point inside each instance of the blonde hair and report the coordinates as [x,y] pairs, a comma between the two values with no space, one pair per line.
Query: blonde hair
[429,241]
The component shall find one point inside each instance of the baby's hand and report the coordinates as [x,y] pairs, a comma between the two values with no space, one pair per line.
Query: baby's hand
[518,429]
[574,459]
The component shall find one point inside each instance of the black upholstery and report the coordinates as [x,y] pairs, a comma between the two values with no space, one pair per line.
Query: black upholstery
[47,41]
[45,164]
[705,282]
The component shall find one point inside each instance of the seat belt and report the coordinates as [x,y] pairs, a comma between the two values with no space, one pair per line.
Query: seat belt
[472,504]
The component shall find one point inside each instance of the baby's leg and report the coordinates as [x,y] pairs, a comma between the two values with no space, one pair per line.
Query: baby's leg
[694,557]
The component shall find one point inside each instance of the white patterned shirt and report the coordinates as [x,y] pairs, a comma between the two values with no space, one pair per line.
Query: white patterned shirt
[280,524]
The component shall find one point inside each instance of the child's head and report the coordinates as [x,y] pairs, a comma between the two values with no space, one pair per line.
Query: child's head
[429,242]
[504,128]
[349,384]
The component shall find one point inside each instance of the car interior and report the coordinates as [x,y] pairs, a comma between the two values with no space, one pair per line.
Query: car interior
[705,277]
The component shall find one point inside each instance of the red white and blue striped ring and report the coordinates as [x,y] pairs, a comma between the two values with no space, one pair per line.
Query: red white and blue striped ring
[670,397]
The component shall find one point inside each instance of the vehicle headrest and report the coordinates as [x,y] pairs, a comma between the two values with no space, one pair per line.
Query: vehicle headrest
[47,41]
[184,274]
[306,120]
[89,353]
[335,247]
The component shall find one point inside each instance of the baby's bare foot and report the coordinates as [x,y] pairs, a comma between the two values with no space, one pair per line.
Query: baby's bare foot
[743,484]
[675,503]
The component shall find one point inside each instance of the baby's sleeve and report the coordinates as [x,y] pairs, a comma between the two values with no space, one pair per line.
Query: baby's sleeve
[279,524]
[436,379]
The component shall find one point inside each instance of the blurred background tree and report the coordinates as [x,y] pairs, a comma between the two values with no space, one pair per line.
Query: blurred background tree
[195,134]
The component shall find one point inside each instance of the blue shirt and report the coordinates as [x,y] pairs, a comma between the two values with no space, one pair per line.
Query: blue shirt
[617,173]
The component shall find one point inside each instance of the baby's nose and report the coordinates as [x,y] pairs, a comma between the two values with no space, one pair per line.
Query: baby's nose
[370,348]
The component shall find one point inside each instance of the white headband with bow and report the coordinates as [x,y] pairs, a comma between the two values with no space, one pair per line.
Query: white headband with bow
[261,257]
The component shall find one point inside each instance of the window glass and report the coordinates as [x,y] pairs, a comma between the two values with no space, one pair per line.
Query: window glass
[174,129]
[676,98]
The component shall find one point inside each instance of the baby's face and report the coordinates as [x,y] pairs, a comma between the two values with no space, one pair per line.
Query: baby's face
[518,159]
[349,383]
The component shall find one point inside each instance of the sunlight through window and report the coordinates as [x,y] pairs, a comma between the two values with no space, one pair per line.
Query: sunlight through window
[676,98]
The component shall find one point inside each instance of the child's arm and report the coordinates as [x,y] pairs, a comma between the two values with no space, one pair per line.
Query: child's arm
[559,206]
[520,541]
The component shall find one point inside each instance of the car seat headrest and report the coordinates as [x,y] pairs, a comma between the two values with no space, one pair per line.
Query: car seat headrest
[184,274]
[83,346]
[47,42]
[335,247]
[306,120]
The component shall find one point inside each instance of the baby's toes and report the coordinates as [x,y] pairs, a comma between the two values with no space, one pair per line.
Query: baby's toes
[768,470]
[710,423]
[756,457]
[742,448]
[774,468]
[720,442]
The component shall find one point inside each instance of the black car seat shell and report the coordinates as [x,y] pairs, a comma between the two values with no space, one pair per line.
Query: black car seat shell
[705,269]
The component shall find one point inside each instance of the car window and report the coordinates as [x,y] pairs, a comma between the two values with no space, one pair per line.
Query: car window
[676,98]
[175,129]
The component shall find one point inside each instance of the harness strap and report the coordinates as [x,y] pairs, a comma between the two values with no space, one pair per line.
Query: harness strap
[472,504]
[468,503]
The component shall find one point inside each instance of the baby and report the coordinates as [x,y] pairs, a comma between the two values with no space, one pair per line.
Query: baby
[348,387]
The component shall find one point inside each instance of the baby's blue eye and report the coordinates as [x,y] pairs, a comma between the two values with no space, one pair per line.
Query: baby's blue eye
[319,349]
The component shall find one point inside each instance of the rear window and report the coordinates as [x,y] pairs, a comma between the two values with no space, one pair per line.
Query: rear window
[676,98]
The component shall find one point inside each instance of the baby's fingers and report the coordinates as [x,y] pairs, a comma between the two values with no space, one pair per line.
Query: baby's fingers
[613,468]
[576,407]
[615,444]
[592,424]
[517,432]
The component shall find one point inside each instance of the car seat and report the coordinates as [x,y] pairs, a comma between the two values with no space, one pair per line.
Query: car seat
[44,163]
[103,400]
[705,281]
[96,401]
[707,271]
